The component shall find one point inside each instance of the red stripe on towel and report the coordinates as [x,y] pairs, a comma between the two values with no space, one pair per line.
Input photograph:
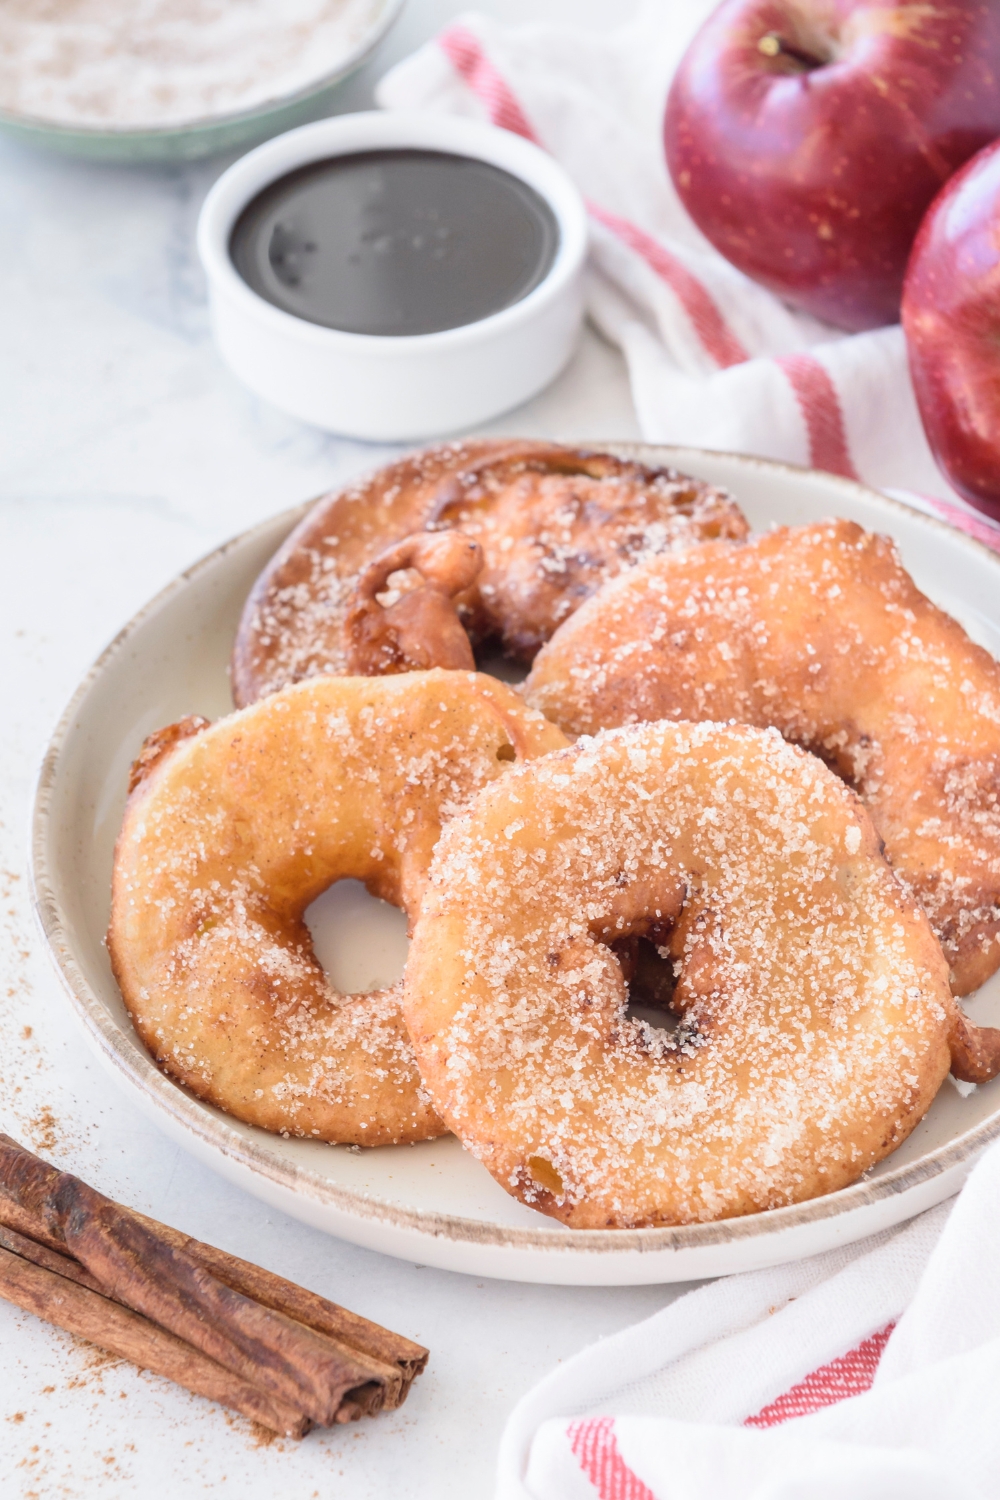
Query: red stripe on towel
[717,338]
[465,53]
[470,62]
[596,1450]
[595,1446]
[820,406]
[980,527]
[849,1375]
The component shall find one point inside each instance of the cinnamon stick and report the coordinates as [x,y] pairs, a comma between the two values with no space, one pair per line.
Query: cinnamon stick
[72,1306]
[270,1290]
[302,1350]
[49,1260]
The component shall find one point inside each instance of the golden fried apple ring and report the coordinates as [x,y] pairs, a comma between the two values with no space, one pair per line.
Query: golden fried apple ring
[553,523]
[812,997]
[819,632]
[232,830]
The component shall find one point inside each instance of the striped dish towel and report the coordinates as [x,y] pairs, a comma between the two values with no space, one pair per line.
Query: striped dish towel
[715,361]
[866,1373]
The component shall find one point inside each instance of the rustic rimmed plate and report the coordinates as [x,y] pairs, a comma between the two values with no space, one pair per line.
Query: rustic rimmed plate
[433,1203]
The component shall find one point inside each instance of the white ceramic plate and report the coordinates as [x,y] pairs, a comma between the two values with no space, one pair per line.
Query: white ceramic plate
[432,1203]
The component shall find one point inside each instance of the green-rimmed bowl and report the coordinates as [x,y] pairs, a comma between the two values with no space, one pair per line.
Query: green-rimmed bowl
[209,134]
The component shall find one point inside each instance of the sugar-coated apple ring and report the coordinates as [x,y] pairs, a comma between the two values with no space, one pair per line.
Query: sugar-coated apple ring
[553,523]
[385,631]
[231,830]
[819,632]
[813,997]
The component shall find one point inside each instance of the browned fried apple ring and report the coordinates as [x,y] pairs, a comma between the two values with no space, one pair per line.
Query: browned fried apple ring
[813,998]
[231,830]
[388,630]
[819,632]
[552,522]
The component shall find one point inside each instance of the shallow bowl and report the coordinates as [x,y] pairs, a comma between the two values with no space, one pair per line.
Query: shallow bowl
[208,135]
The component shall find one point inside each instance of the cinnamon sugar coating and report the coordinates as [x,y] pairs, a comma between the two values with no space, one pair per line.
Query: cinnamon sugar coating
[819,632]
[553,523]
[228,836]
[812,995]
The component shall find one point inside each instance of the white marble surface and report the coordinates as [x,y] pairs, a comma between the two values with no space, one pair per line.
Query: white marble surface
[126,451]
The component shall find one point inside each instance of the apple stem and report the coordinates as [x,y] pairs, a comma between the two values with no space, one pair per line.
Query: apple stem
[773,45]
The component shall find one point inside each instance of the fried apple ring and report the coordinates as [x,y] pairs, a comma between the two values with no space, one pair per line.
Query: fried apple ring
[553,523]
[813,998]
[819,632]
[387,631]
[232,830]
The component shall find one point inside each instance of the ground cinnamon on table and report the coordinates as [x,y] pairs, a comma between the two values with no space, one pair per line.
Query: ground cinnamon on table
[218,1325]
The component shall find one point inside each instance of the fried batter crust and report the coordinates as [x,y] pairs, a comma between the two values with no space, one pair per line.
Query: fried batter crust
[232,830]
[819,632]
[553,523]
[813,998]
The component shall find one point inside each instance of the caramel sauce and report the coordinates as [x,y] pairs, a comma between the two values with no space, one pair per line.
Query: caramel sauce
[395,242]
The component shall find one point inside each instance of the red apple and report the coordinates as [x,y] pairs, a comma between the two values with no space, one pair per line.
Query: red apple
[951,317]
[807,138]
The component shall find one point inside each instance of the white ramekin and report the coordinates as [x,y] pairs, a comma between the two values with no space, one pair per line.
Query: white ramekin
[384,388]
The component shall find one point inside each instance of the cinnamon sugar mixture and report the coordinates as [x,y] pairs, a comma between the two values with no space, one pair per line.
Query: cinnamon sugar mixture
[167,62]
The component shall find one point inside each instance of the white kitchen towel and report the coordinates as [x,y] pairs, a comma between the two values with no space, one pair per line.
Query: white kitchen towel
[715,360]
[870,1372]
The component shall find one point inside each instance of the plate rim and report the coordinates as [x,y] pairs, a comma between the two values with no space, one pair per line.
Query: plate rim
[127,1056]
